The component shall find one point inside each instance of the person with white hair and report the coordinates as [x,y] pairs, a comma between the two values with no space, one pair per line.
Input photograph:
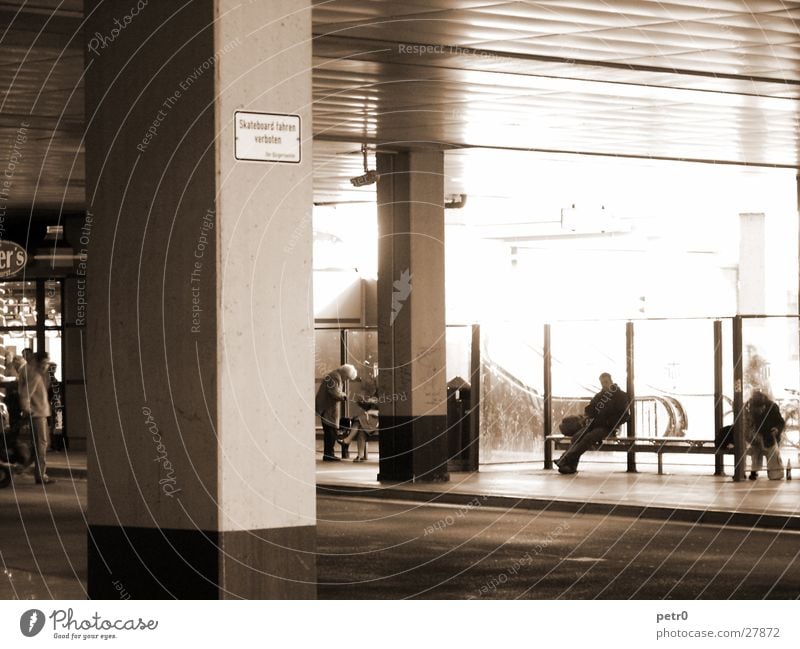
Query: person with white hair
[330,395]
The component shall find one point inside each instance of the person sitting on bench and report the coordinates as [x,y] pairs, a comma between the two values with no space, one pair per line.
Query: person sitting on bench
[764,430]
[363,427]
[608,410]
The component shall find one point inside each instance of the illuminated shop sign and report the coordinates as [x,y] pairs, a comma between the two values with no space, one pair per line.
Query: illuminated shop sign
[12,258]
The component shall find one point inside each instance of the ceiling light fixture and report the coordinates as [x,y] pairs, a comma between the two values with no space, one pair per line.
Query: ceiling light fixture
[456,202]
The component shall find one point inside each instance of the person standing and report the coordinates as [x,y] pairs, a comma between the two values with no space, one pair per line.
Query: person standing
[54,426]
[608,410]
[35,405]
[330,395]
[20,433]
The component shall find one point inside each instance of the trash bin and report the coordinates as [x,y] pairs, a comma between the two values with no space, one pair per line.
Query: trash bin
[459,429]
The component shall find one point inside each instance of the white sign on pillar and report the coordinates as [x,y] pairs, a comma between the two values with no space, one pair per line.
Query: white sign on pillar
[266,137]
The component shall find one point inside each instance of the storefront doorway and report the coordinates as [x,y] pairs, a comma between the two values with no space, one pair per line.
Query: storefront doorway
[31,317]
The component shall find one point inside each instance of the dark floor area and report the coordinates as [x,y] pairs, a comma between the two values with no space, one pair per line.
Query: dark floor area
[378,550]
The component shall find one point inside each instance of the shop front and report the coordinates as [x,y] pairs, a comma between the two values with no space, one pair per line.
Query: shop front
[40,309]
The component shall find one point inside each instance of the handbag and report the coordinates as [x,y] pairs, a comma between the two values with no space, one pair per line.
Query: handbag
[774,463]
[572,424]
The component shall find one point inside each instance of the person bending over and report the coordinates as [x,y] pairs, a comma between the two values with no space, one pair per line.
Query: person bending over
[328,402]
[764,431]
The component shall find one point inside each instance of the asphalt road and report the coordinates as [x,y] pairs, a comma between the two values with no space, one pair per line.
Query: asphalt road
[378,549]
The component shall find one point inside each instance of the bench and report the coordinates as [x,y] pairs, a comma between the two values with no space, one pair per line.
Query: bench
[658,445]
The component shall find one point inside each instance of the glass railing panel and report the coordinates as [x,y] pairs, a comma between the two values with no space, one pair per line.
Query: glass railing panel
[674,378]
[771,365]
[512,415]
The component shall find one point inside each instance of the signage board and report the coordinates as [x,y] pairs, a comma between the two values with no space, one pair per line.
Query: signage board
[266,137]
[12,258]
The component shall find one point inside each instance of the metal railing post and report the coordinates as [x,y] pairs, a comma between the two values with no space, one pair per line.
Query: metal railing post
[548,399]
[739,443]
[630,368]
[719,457]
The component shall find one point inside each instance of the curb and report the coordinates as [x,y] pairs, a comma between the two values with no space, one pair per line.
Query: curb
[65,472]
[673,514]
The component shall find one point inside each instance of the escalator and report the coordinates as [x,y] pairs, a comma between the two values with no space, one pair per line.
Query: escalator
[512,415]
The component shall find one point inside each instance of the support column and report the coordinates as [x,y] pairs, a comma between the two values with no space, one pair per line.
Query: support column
[199,324]
[630,386]
[411,317]
[739,440]
[719,458]
[474,452]
[752,264]
[547,364]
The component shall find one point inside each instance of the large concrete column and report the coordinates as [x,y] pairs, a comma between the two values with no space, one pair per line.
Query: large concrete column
[752,264]
[199,328]
[411,317]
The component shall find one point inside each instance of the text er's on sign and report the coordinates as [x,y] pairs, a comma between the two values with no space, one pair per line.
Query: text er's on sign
[12,258]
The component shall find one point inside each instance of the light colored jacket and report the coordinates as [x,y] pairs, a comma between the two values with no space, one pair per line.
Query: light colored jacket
[33,393]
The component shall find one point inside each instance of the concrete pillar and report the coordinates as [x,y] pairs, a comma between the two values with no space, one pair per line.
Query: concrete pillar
[199,325]
[411,317]
[797,221]
[752,264]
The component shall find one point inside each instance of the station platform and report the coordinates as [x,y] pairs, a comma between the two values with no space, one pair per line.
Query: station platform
[600,487]
[687,492]
[67,464]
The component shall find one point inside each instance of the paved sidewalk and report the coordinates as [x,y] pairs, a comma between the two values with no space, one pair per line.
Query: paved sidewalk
[67,464]
[688,493]
[691,493]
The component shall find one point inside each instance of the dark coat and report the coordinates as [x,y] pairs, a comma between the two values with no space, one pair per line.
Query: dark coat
[609,408]
[329,397]
[764,420]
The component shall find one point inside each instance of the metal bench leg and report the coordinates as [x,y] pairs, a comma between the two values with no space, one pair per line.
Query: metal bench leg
[548,453]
